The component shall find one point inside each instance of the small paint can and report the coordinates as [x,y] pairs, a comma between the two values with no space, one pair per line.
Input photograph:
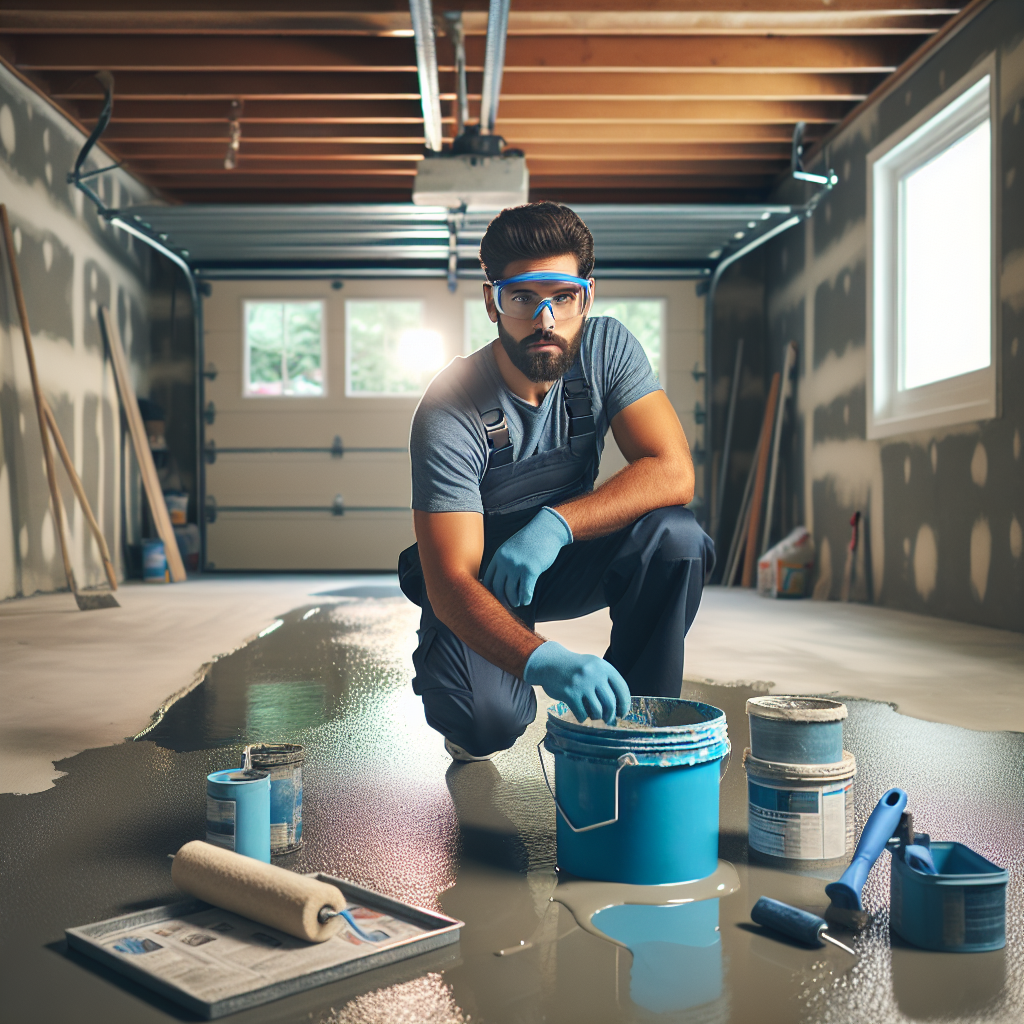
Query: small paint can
[154,562]
[284,762]
[796,730]
[962,909]
[800,812]
[238,812]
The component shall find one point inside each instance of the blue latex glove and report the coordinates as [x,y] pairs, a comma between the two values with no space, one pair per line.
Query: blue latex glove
[516,566]
[589,685]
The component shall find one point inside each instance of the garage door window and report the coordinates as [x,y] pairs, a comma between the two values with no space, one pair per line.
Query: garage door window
[388,350]
[644,319]
[284,349]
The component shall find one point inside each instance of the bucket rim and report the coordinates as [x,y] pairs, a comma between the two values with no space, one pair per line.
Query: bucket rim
[783,772]
[997,876]
[786,708]
[558,717]
[226,780]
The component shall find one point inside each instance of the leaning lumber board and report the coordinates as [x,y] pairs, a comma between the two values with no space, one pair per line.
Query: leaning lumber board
[750,564]
[137,429]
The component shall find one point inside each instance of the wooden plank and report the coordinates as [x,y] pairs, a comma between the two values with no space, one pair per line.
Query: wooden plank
[788,366]
[754,524]
[144,457]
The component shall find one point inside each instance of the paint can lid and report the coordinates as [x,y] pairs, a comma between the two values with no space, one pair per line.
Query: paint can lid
[797,709]
[271,755]
[775,770]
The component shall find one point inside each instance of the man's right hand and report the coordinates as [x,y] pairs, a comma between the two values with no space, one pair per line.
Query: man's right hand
[588,685]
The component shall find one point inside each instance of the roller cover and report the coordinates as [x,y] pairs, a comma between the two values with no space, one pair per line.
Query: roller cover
[261,892]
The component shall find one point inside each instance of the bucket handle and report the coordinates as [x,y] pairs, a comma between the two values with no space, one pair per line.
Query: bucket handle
[626,760]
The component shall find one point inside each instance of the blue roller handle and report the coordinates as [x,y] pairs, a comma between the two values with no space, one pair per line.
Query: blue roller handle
[877,832]
[781,917]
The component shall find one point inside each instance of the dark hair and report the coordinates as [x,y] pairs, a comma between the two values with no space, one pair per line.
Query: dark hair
[533,232]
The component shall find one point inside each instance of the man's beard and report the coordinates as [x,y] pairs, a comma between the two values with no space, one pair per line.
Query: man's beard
[541,367]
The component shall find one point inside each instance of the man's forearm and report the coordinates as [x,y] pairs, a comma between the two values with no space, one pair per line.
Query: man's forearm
[480,621]
[639,488]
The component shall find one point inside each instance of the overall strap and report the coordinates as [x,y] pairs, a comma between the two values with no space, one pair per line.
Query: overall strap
[492,417]
[579,408]
[576,397]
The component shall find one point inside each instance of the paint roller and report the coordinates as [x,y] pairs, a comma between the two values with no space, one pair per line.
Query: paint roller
[294,904]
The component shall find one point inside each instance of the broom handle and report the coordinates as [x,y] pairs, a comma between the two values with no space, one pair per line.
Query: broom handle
[51,472]
[76,486]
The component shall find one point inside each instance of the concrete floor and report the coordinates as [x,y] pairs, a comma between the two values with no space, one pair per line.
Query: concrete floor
[386,808]
[71,680]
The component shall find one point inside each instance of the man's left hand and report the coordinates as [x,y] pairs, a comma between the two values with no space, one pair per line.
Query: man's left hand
[519,562]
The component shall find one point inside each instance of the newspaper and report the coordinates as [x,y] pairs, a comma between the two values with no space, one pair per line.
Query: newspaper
[215,955]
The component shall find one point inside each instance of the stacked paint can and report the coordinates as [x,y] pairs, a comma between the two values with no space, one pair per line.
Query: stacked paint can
[283,762]
[799,781]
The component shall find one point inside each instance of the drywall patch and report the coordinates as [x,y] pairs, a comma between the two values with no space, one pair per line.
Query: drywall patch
[1016,539]
[981,556]
[979,465]
[926,562]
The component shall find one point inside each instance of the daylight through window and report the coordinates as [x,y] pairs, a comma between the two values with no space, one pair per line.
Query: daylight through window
[388,350]
[284,351]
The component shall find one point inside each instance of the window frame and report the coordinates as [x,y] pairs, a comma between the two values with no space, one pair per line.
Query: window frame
[662,371]
[288,300]
[407,396]
[468,305]
[968,397]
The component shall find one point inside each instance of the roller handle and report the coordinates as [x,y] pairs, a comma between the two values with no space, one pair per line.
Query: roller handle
[877,832]
[781,917]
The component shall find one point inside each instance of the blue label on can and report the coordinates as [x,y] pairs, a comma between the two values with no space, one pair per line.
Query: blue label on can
[220,822]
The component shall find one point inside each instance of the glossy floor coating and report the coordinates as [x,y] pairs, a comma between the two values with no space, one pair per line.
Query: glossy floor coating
[386,808]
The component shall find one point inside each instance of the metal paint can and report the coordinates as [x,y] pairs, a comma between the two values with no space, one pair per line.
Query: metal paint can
[238,812]
[284,763]
[796,730]
[800,812]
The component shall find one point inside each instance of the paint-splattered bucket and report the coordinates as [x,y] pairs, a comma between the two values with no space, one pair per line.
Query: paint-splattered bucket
[238,812]
[638,801]
[284,763]
[800,812]
[154,562]
[796,730]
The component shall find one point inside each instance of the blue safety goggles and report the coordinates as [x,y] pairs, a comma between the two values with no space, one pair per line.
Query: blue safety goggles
[514,298]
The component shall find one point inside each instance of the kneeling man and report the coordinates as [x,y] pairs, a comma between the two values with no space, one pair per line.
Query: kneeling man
[510,531]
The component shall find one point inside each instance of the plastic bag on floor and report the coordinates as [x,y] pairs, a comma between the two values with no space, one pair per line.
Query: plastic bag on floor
[787,569]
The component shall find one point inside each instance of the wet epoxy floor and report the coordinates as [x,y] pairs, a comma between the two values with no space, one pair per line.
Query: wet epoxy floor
[386,808]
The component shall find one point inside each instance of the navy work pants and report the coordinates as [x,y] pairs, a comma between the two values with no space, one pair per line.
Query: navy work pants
[649,575]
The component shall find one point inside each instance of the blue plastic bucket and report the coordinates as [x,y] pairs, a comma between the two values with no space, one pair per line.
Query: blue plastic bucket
[796,730]
[962,909]
[238,812]
[638,801]
[154,562]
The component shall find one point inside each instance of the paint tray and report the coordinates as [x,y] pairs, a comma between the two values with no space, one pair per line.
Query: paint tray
[214,962]
[962,909]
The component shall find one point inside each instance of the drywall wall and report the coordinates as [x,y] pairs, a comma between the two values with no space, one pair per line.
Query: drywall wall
[944,509]
[71,263]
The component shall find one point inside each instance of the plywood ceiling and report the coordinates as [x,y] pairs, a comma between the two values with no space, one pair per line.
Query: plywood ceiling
[620,101]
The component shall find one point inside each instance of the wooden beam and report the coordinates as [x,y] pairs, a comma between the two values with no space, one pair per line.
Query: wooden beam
[289,111]
[573,54]
[569,19]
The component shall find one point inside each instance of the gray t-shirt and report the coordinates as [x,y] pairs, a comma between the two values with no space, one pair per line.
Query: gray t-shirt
[447,444]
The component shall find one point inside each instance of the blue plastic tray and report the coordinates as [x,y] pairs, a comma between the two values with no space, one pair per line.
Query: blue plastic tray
[962,909]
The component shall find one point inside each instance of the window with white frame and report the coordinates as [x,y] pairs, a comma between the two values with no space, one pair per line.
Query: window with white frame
[388,351]
[932,311]
[284,349]
[643,318]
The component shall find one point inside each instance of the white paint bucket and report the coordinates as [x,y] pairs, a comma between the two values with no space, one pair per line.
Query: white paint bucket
[800,812]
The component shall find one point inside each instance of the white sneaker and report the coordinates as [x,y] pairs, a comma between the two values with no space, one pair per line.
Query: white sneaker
[458,754]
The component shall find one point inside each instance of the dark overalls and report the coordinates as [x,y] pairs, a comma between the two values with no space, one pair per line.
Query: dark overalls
[649,575]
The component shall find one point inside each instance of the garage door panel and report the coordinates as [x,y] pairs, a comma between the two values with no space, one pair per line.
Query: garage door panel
[361,479]
[309,542]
